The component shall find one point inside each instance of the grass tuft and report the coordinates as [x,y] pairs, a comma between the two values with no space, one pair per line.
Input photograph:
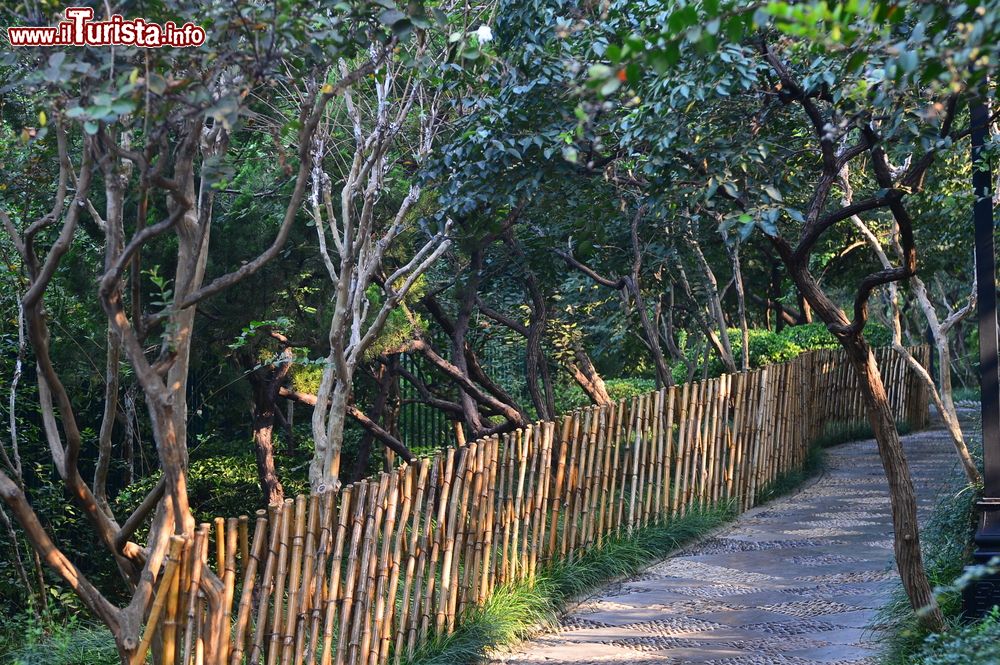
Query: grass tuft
[67,645]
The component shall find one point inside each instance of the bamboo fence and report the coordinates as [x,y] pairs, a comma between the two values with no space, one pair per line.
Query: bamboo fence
[367,575]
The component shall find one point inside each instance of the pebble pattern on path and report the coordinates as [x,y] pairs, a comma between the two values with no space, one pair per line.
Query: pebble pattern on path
[794,582]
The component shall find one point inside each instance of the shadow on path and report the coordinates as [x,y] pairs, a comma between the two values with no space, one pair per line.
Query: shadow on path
[794,582]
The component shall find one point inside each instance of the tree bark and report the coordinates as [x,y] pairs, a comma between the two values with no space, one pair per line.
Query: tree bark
[587,376]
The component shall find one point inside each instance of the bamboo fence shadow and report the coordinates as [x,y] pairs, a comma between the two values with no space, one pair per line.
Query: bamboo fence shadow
[366,575]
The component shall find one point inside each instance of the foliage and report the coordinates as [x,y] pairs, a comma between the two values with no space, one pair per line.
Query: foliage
[570,396]
[44,641]
[766,348]
[810,336]
[976,643]
[220,483]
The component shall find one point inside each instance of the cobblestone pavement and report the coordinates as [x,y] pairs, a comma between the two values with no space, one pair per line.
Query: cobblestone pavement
[794,582]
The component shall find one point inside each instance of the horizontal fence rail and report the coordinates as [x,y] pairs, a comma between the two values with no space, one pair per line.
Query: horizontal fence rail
[367,575]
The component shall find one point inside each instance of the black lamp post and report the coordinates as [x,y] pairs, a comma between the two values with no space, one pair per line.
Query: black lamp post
[984,593]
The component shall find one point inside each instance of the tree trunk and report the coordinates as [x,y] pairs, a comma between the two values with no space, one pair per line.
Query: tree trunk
[902,498]
[266,382]
[587,376]
[263,446]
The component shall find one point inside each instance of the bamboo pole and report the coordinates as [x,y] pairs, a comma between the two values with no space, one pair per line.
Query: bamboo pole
[416,609]
[165,590]
[407,492]
[305,590]
[251,563]
[332,594]
[200,542]
[229,586]
[386,561]
[275,518]
[362,499]
[557,488]
[274,643]
[361,631]
[411,559]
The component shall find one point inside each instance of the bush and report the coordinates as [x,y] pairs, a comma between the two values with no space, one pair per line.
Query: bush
[812,336]
[971,644]
[218,486]
[629,387]
[766,348]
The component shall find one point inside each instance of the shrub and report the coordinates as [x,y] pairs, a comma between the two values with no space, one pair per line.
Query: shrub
[972,644]
[629,387]
[220,485]
[812,336]
[766,348]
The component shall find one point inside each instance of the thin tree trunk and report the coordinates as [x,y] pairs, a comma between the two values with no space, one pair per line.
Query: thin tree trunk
[902,498]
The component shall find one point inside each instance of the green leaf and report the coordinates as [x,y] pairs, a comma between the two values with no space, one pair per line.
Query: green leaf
[773,193]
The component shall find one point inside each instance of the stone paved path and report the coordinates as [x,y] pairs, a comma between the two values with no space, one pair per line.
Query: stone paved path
[794,582]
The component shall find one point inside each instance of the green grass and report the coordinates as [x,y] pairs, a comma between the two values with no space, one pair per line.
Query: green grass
[790,481]
[69,644]
[841,432]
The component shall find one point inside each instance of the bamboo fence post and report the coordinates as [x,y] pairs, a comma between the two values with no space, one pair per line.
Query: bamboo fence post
[361,500]
[572,483]
[295,576]
[274,643]
[636,430]
[439,536]
[251,563]
[164,591]
[461,531]
[507,508]
[361,631]
[595,442]
[655,463]
[486,577]
[449,542]
[385,636]
[332,592]
[474,552]
[318,591]
[416,609]
[229,586]
[677,506]
[656,487]
[735,440]
[386,562]
[668,453]
[557,489]
[608,476]
[194,580]
[598,441]
[306,586]
[691,458]
[275,518]
[411,559]
[220,545]
[616,492]
[542,500]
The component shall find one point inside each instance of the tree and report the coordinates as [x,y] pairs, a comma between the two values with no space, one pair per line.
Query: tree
[865,101]
[154,129]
